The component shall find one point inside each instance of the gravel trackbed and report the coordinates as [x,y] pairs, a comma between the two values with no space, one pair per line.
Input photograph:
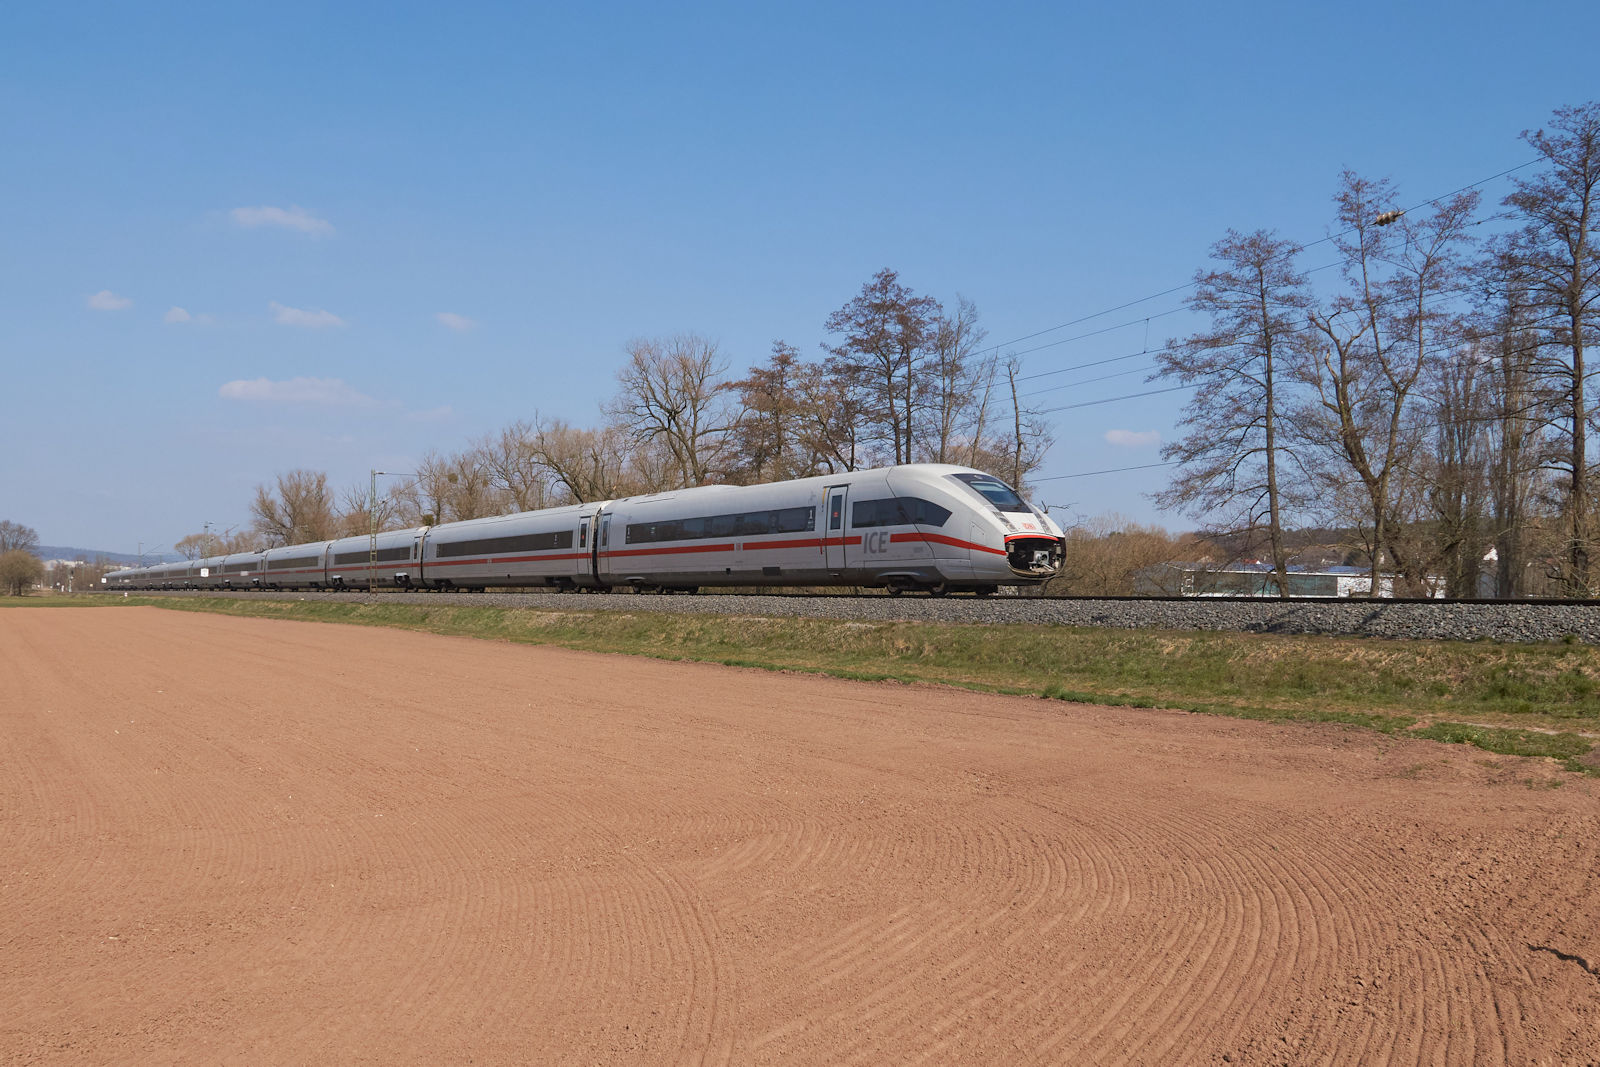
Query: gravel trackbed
[256,841]
[1406,619]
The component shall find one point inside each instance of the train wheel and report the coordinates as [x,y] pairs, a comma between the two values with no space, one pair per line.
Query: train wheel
[939,589]
[896,590]
[987,590]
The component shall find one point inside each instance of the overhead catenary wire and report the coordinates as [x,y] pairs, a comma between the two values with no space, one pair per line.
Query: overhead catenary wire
[1091,381]
[1113,329]
[1190,284]
[1377,303]
[1109,470]
[1297,249]
[1112,399]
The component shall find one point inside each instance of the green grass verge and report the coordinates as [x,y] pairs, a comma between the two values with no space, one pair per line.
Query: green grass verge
[1569,748]
[1534,700]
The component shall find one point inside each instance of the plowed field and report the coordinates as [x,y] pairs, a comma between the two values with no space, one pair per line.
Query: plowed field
[238,840]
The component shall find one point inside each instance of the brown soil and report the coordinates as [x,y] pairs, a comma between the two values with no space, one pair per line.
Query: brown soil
[237,840]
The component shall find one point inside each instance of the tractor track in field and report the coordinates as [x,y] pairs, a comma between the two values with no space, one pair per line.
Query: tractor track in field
[229,839]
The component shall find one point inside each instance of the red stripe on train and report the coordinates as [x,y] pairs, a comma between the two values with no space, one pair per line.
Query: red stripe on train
[941,539]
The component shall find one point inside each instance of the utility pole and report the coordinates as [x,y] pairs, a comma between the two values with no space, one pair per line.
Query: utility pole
[372,546]
[372,519]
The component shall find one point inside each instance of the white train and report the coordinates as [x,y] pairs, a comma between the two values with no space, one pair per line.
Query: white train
[921,526]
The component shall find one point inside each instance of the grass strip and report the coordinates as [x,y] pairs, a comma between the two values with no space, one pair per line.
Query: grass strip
[1569,748]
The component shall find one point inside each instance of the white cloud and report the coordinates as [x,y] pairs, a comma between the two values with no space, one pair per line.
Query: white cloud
[289,218]
[331,392]
[1133,438]
[177,314]
[459,323]
[288,316]
[106,300]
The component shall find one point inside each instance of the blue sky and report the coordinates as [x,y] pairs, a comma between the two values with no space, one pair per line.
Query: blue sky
[315,186]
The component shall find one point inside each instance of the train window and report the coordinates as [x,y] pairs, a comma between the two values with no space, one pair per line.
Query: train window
[925,512]
[754,524]
[583,534]
[746,524]
[385,555]
[996,492]
[868,513]
[835,510]
[897,511]
[522,543]
[795,520]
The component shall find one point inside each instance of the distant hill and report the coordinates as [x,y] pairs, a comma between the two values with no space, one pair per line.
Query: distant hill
[89,555]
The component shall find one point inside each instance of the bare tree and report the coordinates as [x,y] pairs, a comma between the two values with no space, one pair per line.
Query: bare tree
[14,535]
[1560,240]
[298,509]
[1430,332]
[774,437]
[473,494]
[355,508]
[424,498]
[1017,452]
[671,397]
[1232,460]
[193,546]
[449,488]
[1515,410]
[1371,343]
[886,336]
[246,540]
[1458,473]
[955,383]
[515,469]
[584,464]
[984,409]
[835,424]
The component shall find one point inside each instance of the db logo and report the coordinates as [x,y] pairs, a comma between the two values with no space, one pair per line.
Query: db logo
[876,542]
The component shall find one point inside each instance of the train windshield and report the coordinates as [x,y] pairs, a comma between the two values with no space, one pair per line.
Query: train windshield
[995,492]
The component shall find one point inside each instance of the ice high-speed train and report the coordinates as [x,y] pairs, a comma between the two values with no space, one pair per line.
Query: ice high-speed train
[921,526]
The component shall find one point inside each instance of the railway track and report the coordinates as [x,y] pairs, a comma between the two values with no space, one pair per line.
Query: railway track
[1459,620]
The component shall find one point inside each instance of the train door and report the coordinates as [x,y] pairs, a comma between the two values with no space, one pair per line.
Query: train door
[414,567]
[583,561]
[833,533]
[602,544]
